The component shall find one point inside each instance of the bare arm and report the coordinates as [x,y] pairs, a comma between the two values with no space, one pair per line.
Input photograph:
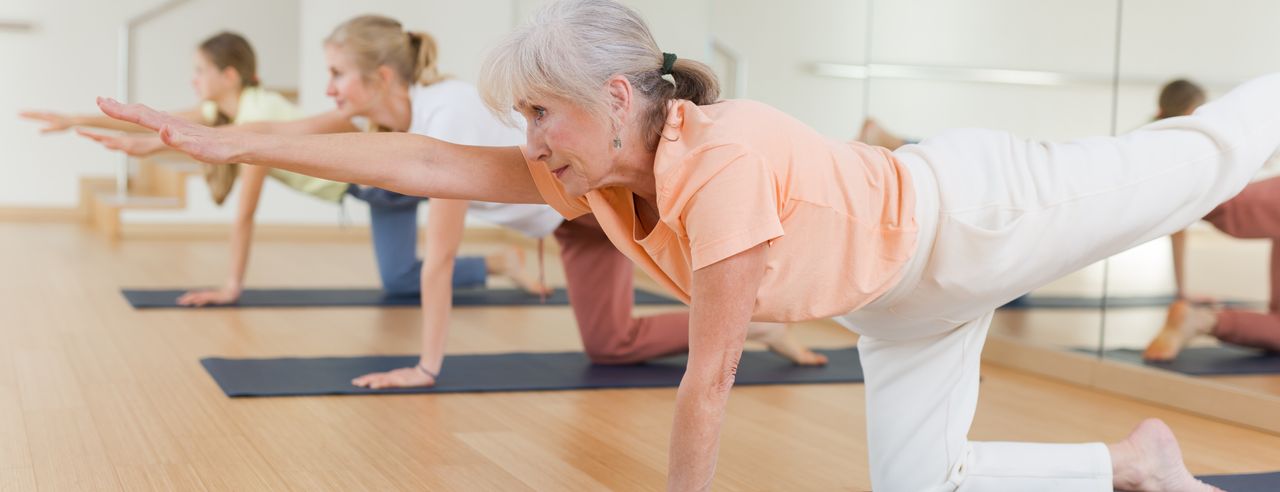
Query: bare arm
[251,181]
[56,122]
[328,122]
[1179,243]
[145,144]
[445,222]
[724,295]
[404,163]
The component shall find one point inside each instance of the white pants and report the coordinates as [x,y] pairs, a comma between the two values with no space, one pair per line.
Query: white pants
[1000,216]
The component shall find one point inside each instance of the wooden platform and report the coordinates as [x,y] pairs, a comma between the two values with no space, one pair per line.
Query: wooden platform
[95,396]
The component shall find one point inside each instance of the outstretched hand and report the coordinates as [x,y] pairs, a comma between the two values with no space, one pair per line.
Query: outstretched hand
[134,145]
[203,143]
[53,122]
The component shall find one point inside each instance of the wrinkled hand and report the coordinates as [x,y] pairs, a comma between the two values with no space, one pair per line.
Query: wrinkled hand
[134,145]
[198,298]
[404,377]
[53,122]
[211,145]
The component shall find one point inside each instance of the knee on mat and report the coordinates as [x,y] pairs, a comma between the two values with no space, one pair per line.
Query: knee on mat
[401,287]
[610,352]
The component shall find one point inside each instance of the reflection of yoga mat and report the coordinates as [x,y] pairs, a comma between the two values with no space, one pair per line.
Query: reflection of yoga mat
[1054,302]
[1208,361]
[507,372]
[1253,482]
[145,299]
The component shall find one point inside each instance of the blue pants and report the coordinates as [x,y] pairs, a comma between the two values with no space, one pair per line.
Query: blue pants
[394,220]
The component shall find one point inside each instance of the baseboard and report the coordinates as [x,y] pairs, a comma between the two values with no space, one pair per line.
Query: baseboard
[41,214]
[297,232]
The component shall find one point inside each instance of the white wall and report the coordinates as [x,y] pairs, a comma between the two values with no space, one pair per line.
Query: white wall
[61,65]
[779,41]
[1217,44]
[167,45]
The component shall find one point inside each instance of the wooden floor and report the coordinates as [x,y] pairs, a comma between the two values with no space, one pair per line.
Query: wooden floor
[96,396]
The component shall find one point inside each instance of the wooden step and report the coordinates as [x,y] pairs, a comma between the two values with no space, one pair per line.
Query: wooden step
[106,207]
[161,177]
[89,187]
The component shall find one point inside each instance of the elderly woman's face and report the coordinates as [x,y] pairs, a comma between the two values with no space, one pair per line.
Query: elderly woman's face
[575,145]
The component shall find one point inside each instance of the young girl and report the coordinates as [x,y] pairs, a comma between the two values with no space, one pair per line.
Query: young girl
[748,214]
[226,80]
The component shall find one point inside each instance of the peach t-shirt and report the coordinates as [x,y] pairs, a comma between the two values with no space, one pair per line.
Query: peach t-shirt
[838,217]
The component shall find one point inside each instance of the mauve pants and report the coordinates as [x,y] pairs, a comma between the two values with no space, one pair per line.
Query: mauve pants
[1253,214]
[600,279]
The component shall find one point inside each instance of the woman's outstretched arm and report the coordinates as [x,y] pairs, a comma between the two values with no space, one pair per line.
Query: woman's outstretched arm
[56,122]
[400,162]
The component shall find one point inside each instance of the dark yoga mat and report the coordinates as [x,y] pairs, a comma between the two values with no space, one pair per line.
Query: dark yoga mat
[1208,361]
[506,372]
[167,298]
[1055,302]
[1252,482]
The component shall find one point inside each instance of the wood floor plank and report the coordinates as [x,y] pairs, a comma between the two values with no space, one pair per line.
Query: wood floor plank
[17,480]
[67,451]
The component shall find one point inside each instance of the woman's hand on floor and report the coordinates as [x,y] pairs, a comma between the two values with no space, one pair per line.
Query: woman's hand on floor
[404,377]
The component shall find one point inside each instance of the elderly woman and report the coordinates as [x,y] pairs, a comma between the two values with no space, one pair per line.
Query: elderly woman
[748,214]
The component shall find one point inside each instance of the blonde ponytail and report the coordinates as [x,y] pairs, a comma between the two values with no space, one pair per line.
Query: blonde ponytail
[375,41]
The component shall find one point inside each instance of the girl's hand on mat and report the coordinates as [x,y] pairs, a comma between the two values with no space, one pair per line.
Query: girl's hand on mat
[134,145]
[53,122]
[205,144]
[197,298]
[404,377]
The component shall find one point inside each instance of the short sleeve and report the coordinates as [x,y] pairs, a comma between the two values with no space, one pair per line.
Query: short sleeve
[727,205]
[553,193]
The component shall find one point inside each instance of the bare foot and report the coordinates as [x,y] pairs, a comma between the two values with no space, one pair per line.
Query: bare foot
[510,264]
[777,337]
[1184,322]
[1149,460]
[874,134]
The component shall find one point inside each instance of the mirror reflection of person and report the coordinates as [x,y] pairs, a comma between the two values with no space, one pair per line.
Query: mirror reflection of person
[1252,214]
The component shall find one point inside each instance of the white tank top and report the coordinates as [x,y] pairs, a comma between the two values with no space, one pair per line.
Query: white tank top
[452,111]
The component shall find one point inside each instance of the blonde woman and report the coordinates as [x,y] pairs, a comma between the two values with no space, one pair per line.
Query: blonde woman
[748,214]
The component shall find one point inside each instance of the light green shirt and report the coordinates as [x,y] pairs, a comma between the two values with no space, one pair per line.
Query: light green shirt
[258,104]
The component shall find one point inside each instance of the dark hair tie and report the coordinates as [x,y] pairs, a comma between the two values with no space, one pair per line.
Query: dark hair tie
[668,62]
